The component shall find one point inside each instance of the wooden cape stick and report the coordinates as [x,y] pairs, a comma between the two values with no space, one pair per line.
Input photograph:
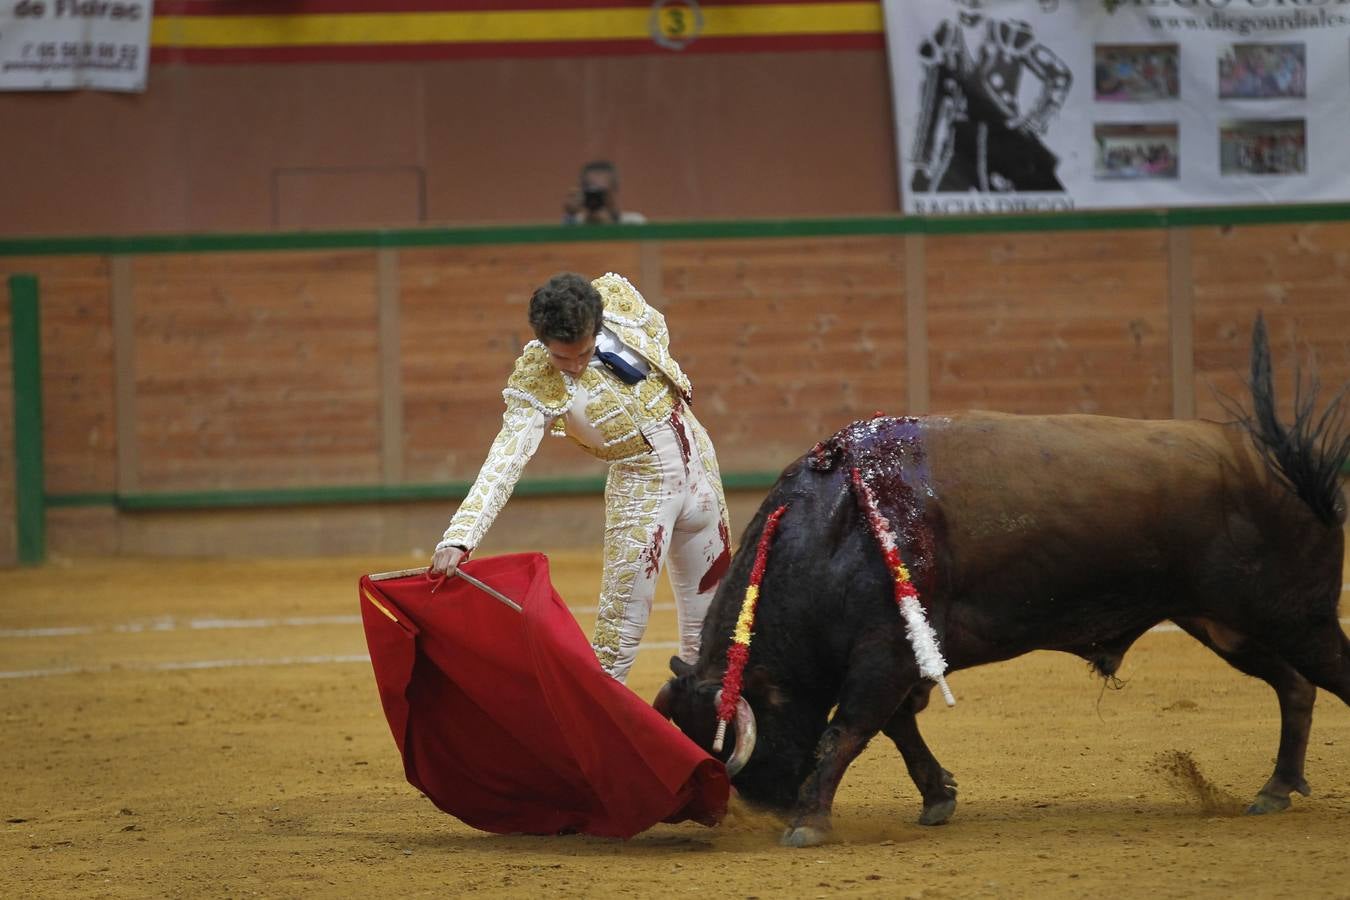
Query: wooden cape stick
[422,570]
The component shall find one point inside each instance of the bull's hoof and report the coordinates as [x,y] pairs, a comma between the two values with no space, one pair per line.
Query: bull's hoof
[938,813]
[1268,803]
[804,836]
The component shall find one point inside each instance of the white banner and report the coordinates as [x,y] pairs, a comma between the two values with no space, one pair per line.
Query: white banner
[1029,105]
[54,45]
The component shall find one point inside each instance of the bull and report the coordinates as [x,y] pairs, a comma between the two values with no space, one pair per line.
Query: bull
[1071,532]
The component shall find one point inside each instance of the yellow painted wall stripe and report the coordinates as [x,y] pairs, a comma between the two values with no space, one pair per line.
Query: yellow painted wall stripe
[511,26]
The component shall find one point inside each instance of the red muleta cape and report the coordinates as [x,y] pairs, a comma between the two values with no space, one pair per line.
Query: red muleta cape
[506,720]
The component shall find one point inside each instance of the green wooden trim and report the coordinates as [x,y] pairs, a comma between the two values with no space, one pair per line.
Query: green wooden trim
[1076,220]
[356,494]
[353,494]
[344,494]
[25,335]
[1259,215]
[447,237]
[88,498]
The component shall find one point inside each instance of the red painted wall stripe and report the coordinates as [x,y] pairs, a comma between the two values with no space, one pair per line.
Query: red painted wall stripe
[326,7]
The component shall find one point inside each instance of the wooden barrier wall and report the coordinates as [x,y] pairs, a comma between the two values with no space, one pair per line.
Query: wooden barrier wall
[169,372]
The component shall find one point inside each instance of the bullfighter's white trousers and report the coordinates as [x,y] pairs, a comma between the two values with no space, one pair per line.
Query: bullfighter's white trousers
[662,507]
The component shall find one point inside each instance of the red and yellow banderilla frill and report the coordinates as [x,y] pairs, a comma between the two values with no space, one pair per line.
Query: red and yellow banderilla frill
[739,651]
[920,632]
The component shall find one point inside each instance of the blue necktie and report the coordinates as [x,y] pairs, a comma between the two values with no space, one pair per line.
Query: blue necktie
[622,368]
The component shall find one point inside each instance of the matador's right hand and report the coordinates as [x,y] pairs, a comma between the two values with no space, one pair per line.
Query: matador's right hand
[446,560]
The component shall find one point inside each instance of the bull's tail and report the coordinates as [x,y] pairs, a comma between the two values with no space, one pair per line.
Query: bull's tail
[1310,454]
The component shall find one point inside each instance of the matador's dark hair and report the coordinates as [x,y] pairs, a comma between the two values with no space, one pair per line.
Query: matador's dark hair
[566,309]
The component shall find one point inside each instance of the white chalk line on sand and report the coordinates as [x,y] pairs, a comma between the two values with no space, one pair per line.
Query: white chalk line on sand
[188,665]
[196,665]
[167,623]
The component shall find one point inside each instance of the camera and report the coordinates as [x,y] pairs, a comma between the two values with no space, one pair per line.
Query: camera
[595,199]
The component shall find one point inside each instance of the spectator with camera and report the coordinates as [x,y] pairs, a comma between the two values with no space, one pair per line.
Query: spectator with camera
[595,199]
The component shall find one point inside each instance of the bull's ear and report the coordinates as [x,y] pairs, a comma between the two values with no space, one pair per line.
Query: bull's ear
[680,667]
[664,703]
[759,682]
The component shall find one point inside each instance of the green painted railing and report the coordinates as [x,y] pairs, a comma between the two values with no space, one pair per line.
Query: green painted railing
[673,231]
[26,359]
[333,495]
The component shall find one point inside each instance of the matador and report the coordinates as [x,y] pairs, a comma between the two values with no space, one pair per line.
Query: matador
[600,373]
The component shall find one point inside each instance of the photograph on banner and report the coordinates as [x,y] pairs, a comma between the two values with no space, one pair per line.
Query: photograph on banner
[1008,106]
[1144,150]
[1263,70]
[1135,73]
[1262,147]
[63,45]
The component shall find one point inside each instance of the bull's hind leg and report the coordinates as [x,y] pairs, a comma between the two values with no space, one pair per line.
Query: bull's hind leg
[935,784]
[1321,653]
[869,697]
[1295,693]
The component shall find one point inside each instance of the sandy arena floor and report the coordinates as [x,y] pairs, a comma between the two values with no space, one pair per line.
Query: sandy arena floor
[212,730]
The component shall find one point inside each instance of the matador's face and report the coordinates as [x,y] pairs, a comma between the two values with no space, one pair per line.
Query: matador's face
[571,358]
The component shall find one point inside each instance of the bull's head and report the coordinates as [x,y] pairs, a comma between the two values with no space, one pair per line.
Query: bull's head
[764,755]
[693,707]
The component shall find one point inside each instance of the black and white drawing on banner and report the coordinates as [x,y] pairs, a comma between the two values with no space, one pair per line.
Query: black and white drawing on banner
[980,126]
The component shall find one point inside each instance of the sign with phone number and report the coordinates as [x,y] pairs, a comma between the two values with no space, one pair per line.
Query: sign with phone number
[54,45]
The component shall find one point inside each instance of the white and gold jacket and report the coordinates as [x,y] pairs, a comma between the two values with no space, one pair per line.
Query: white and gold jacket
[599,413]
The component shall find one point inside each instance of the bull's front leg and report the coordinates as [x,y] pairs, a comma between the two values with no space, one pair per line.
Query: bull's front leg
[838,747]
[871,693]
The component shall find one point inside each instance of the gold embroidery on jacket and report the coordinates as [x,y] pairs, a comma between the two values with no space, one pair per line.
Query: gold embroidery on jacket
[640,326]
[511,449]
[538,383]
[624,304]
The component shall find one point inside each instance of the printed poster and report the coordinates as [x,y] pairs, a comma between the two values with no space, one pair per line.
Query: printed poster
[57,45]
[1041,105]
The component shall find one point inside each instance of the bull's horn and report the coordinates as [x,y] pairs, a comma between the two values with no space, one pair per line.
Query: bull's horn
[664,698]
[746,732]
